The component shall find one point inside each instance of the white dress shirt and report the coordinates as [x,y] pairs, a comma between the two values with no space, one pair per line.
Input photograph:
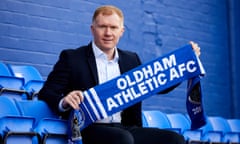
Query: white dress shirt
[107,70]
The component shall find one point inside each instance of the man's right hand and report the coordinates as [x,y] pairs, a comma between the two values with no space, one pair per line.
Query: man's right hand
[73,99]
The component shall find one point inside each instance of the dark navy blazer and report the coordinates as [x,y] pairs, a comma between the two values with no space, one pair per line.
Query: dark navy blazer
[76,70]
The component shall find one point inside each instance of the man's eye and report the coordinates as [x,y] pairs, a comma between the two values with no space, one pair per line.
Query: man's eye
[102,26]
[114,27]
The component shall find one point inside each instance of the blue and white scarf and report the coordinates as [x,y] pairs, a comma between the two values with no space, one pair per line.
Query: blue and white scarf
[138,84]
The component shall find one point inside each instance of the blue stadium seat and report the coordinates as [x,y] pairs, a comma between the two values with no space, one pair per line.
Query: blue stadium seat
[179,121]
[219,128]
[4,71]
[13,127]
[144,120]
[37,109]
[193,136]
[234,135]
[33,87]
[25,71]
[12,87]
[11,82]
[231,138]
[33,80]
[234,125]
[222,125]
[219,124]
[7,107]
[48,125]
[53,131]
[155,118]
[215,131]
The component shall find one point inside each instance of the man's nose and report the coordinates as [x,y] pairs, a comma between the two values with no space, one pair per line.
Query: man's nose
[108,31]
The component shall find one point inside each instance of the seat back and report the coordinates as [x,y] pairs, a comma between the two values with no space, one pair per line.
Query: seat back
[13,127]
[155,118]
[25,71]
[37,109]
[11,82]
[198,134]
[12,87]
[217,127]
[219,124]
[231,138]
[33,87]
[234,135]
[53,131]
[144,120]
[234,125]
[4,71]
[179,121]
[7,107]
[207,127]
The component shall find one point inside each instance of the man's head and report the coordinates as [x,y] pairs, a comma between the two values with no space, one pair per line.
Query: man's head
[106,11]
[107,27]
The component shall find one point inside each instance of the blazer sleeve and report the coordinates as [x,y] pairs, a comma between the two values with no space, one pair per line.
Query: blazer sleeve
[56,85]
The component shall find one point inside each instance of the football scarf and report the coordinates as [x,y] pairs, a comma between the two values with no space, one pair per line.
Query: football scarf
[194,103]
[138,84]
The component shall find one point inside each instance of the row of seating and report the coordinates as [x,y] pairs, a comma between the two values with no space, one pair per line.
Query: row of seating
[20,116]
[217,129]
[30,122]
[21,81]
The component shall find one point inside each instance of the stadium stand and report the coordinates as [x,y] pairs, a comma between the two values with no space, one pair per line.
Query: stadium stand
[51,129]
[221,130]
[13,127]
[31,121]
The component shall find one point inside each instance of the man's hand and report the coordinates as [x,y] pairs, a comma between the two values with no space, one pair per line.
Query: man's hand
[195,48]
[73,99]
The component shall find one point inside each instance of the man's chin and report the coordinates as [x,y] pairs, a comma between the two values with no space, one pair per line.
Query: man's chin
[108,46]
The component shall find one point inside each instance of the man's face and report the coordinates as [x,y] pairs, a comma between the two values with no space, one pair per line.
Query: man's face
[107,30]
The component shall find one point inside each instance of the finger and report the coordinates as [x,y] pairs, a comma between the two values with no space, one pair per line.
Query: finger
[195,48]
[73,100]
[194,45]
[74,104]
[191,42]
[76,98]
[80,95]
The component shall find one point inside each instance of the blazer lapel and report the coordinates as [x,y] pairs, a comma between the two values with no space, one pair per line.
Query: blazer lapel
[122,63]
[92,63]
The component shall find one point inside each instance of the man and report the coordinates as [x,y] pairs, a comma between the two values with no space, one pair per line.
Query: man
[80,69]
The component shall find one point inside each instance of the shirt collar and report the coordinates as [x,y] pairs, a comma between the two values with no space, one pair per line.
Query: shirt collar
[98,53]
